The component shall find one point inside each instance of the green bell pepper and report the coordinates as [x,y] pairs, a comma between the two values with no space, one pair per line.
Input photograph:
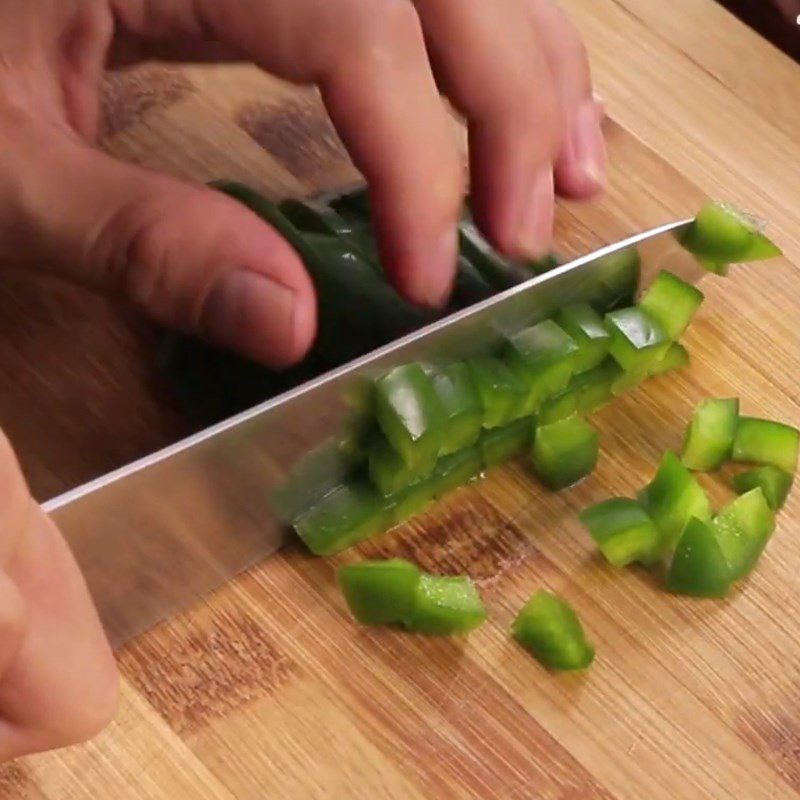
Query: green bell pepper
[550,630]
[624,532]
[501,391]
[353,512]
[389,473]
[543,356]
[455,470]
[565,451]
[498,445]
[618,275]
[773,482]
[625,382]
[676,357]
[699,567]
[721,235]
[445,606]
[766,442]
[410,414]
[743,529]
[559,407]
[588,331]
[672,498]
[463,410]
[594,387]
[637,340]
[496,270]
[672,302]
[708,441]
[379,592]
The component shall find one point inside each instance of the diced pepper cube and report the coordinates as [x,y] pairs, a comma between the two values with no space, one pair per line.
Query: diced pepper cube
[618,275]
[346,516]
[624,532]
[410,413]
[676,357]
[672,498]
[564,452]
[699,567]
[559,407]
[543,356]
[445,606]
[626,382]
[409,502]
[637,340]
[463,410]
[708,441]
[773,482]
[502,393]
[455,470]
[587,329]
[498,445]
[721,234]
[379,592]
[550,630]
[672,302]
[594,387]
[389,473]
[767,442]
[743,529]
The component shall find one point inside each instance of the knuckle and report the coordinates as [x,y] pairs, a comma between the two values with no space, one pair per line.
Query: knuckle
[384,27]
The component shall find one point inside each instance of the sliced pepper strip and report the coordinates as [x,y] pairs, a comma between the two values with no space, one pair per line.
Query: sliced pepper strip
[766,442]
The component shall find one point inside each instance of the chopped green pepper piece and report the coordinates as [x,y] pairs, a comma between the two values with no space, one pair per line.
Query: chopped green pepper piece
[502,393]
[775,483]
[463,410]
[496,270]
[624,531]
[500,444]
[699,567]
[672,498]
[720,234]
[565,451]
[637,340]
[455,470]
[594,387]
[379,592]
[409,502]
[543,356]
[708,440]
[743,529]
[676,357]
[389,473]
[410,413]
[348,515]
[445,606]
[618,276]
[587,329]
[559,407]
[672,302]
[767,442]
[549,629]
[625,381]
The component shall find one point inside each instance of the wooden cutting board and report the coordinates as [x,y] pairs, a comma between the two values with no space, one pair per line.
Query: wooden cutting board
[267,689]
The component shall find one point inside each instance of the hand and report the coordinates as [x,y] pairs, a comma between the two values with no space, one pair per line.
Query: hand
[198,261]
[790,9]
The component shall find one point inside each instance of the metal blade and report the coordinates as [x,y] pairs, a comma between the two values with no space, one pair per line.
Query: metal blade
[157,535]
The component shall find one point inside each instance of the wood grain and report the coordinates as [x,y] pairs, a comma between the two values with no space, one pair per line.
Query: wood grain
[266,688]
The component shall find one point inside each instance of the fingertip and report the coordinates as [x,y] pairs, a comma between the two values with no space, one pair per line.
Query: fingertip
[581,167]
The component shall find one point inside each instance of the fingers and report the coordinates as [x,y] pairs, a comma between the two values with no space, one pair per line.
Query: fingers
[369,59]
[58,679]
[192,258]
[581,163]
[489,62]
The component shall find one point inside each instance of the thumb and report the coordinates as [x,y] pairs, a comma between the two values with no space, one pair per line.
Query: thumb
[191,257]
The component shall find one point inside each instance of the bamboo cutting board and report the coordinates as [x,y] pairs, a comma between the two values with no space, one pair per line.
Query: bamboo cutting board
[267,689]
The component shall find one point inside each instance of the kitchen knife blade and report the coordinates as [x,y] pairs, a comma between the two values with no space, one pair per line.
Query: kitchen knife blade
[157,535]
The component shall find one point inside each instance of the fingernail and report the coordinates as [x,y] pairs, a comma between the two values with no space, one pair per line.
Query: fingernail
[434,283]
[588,145]
[536,227]
[249,311]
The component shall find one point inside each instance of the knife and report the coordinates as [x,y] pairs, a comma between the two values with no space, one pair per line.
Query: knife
[157,535]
